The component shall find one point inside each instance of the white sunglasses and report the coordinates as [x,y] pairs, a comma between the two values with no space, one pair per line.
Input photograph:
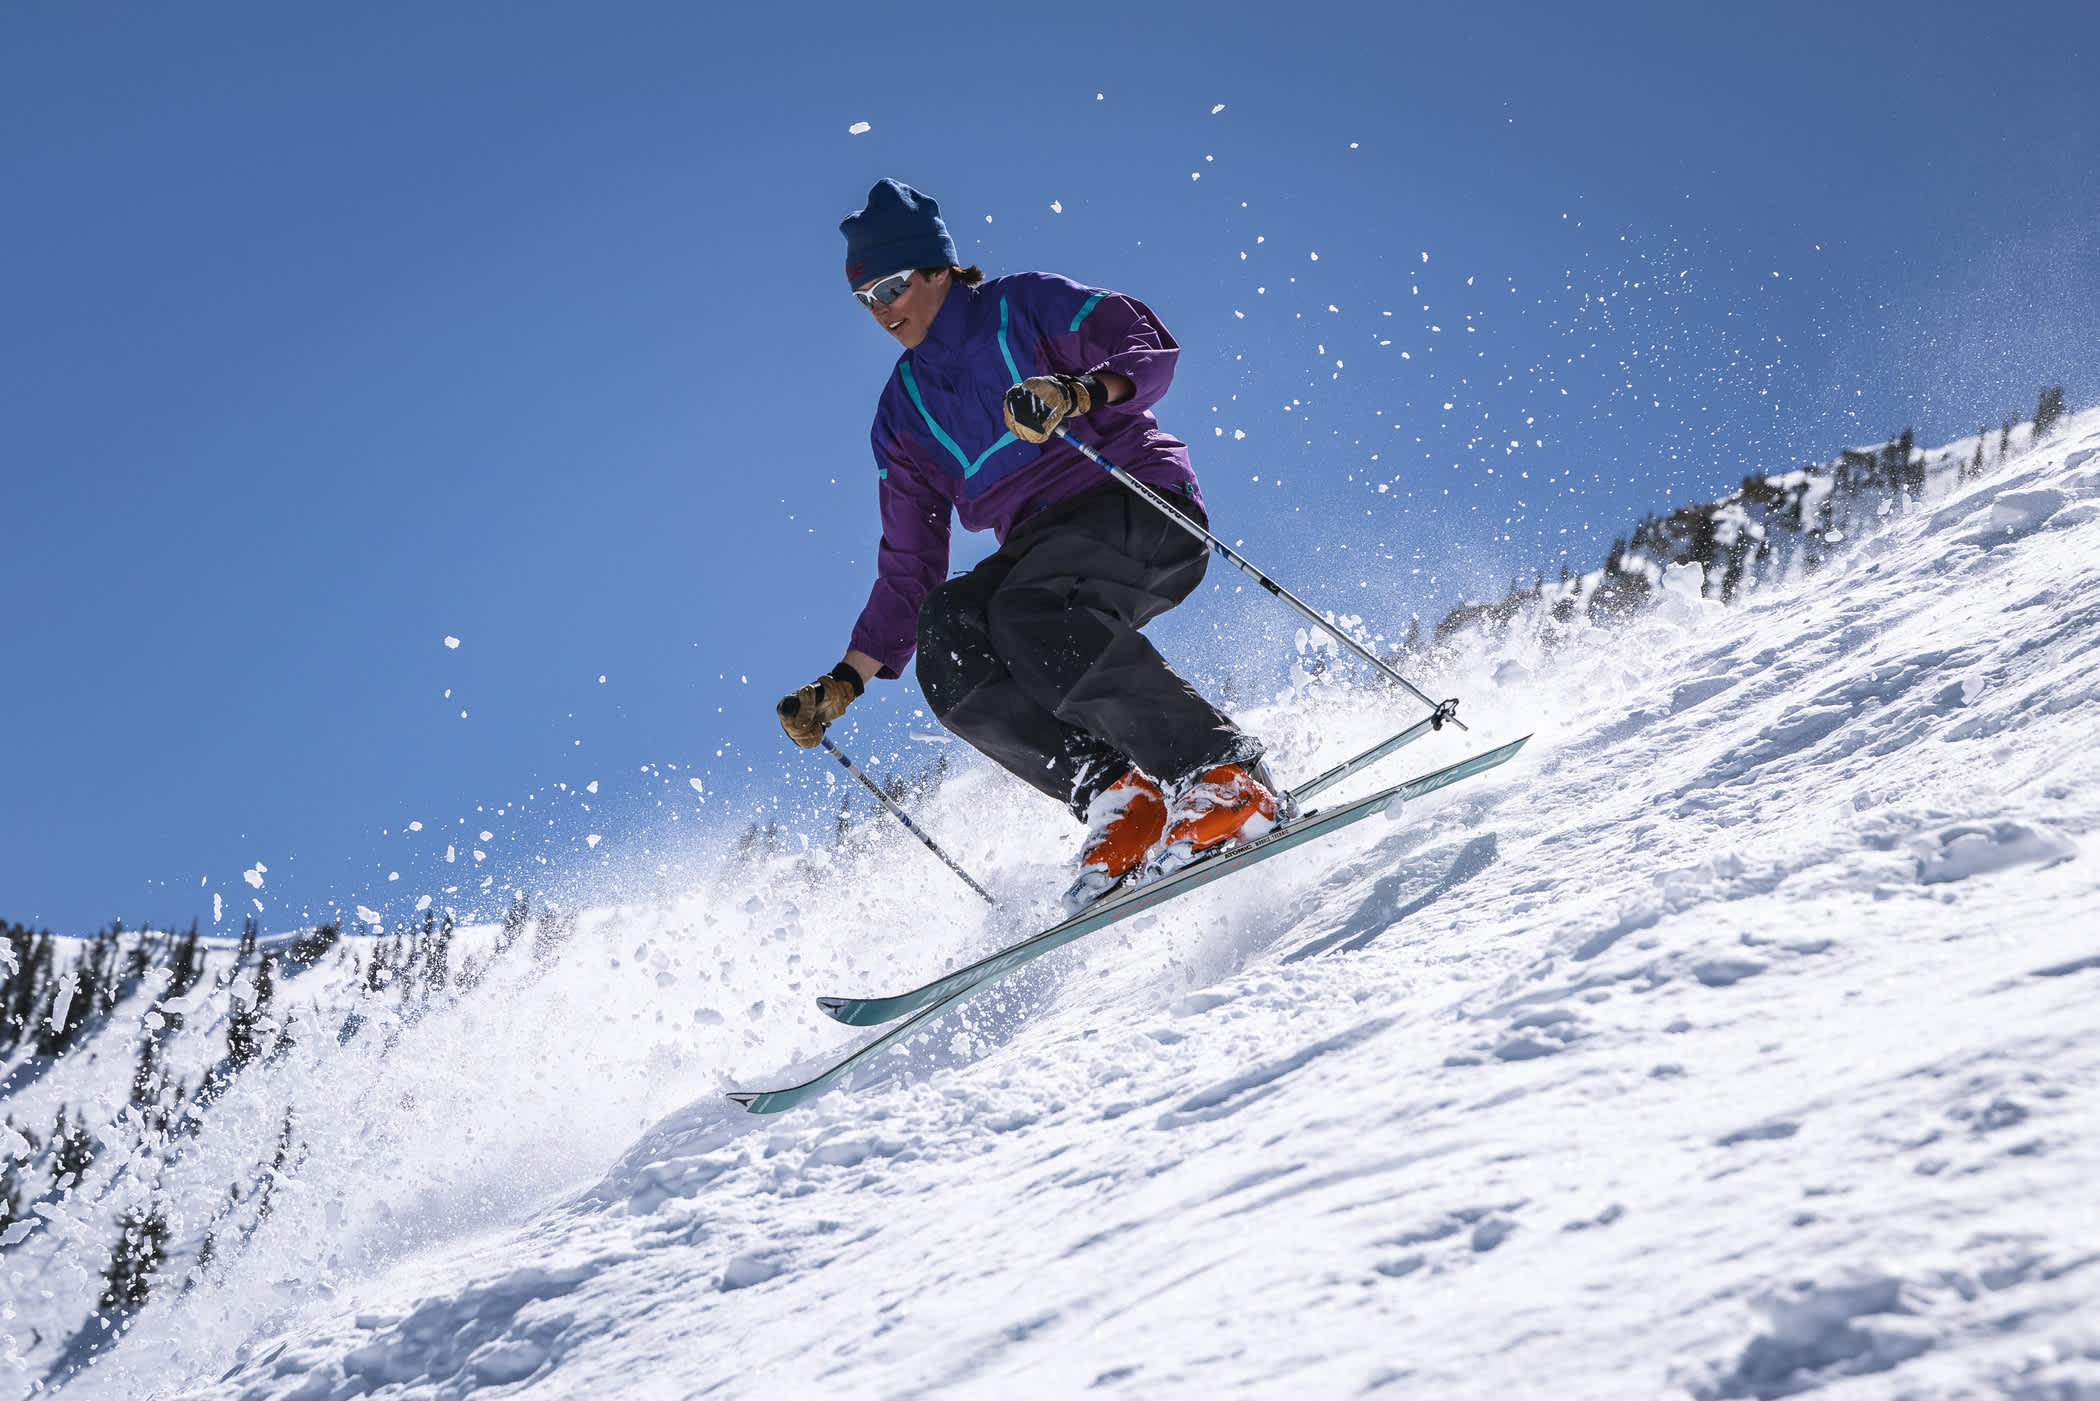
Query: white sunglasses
[884,292]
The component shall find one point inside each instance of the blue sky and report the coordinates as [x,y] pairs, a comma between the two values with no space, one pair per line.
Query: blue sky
[328,335]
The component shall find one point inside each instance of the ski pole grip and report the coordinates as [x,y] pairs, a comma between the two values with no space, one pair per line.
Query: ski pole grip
[791,706]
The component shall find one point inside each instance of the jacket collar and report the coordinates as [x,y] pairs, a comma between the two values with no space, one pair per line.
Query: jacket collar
[946,330]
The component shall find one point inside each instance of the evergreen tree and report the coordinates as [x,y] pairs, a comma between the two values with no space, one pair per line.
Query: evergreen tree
[249,934]
[375,971]
[18,990]
[307,948]
[265,981]
[241,1047]
[142,1247]
[73,1148]
[186,965]
[437,965]
[2047,411]
[147,1077]
[137,959]
[282,1046]
[2005,437]
[11,1173]
[10,1194]
[555,927]
[514,921]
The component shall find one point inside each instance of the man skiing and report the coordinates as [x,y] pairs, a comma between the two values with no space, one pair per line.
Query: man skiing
[1035,656]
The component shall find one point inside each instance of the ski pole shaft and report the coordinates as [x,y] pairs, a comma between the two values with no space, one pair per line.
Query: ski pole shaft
[901,815]
[1446,710]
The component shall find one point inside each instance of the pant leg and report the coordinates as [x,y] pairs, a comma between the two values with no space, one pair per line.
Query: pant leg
[975,695]
[1065,617]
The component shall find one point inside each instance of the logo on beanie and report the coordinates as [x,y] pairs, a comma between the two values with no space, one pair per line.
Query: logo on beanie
[856,270]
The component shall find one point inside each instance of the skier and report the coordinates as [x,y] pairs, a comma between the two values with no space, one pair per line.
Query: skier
[1035,656]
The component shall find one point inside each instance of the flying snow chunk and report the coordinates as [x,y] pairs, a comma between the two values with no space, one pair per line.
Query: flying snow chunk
[1057,206]
[1237,434]
[393,875]
[218,908]
[1217,109]
[1425,257]
[591,787]
[254,875]
[450,853]
[415,826]
[698,789]
[488,836]
[422,902]
[593,839]
[857,129]
[452,642]
[370,916]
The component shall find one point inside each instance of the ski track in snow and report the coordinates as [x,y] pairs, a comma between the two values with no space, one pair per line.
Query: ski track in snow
[1737,1040]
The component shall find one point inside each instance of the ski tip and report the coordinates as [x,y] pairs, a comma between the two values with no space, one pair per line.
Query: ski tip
[831,1006]
[743,1099]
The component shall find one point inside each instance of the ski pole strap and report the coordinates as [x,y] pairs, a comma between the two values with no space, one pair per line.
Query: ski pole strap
[902,816]
[1441,713]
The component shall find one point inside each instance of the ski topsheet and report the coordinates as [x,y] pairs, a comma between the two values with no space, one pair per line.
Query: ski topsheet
[923,1005]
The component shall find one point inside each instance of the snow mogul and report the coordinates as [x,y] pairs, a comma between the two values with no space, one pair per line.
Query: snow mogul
[1035,656]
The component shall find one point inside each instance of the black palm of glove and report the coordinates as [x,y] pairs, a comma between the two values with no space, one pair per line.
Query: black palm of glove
[806,713]
[1036,406]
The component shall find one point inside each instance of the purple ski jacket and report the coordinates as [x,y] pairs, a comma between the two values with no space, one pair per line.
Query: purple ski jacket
[941,442]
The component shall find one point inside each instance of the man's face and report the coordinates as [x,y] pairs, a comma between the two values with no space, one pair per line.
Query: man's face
[908,317]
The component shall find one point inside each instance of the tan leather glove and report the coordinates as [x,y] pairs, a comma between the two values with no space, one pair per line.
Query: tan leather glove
[806,713]
[1036,406]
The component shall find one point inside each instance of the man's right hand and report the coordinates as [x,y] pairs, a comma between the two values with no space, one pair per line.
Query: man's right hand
[806,713]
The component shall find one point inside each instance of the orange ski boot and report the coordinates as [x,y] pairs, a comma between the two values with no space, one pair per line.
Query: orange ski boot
[1123,825]
[1220,807]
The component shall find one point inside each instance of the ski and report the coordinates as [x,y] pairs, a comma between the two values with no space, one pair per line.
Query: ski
[1447,711]
[773,1101]
[937,998]
[1118,905]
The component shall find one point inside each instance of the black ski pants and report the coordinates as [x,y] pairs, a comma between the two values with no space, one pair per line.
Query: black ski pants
[1035,657]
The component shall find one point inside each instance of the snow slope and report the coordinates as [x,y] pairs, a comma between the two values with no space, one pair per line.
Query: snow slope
[1739,1040]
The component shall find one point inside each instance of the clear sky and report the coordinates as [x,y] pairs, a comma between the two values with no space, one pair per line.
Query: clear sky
[328,334]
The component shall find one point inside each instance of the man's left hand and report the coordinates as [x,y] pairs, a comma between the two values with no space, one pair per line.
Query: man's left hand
[1036,406]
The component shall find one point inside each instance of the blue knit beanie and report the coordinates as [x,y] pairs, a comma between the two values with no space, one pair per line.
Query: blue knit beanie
[899,229]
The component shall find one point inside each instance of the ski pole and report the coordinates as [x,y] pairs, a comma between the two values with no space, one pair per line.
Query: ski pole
[899,813]
[1439,712]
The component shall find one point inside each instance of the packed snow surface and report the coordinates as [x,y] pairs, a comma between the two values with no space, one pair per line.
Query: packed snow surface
[1737,1040]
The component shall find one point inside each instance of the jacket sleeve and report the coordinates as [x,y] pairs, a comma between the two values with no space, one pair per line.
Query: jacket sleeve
[911,558]
[1086,330]
[1122,334]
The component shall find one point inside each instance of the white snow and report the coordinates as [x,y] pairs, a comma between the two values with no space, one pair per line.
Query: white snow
[1737,1041]
[451,642]
[857,129]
